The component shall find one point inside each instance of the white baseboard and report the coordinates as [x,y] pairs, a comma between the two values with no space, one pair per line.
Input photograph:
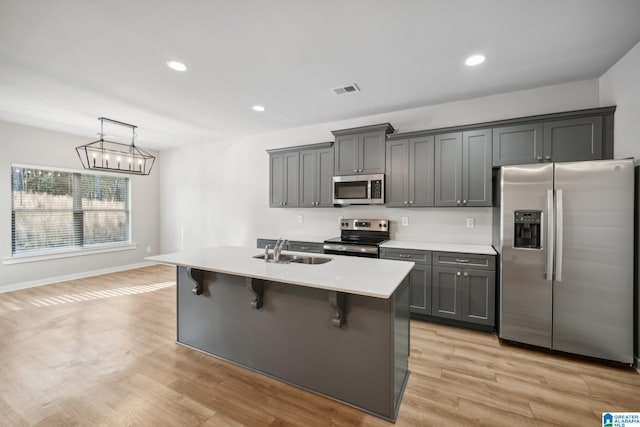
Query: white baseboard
[52,280]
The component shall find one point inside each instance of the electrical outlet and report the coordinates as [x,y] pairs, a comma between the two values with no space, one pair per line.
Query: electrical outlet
[405,221]
[300,219]
[471,222]
[148,249]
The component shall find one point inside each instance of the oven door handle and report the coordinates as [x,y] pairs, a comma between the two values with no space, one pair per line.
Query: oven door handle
[351,248]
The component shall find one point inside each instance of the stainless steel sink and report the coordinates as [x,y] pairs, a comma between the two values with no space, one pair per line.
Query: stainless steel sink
[286,259]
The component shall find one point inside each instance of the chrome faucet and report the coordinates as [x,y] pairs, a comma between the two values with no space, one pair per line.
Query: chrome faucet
[266,253]
[278,248]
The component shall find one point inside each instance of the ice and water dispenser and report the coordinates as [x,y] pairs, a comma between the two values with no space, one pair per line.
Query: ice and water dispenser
[526,231]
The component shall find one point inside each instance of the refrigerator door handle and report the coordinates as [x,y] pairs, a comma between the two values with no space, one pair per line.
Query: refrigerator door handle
[559,234]
[550,227]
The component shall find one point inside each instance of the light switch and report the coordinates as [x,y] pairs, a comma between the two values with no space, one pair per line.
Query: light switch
[405,221]
[471,222]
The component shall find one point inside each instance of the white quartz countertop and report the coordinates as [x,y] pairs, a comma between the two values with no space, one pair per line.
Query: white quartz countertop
[361,276]
[441,247]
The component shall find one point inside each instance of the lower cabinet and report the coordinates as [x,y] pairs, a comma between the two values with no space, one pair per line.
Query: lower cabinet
[316,248]
[264,242]
[463,293]
[297,246]
[450,285]
[420,289]
[419,278]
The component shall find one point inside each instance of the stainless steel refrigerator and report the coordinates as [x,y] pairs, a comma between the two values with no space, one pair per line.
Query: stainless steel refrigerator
[566,253]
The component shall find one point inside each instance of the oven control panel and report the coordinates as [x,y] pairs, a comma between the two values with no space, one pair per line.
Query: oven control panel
[364,224]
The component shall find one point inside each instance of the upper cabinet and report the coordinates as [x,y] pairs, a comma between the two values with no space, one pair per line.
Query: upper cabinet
[410,172]
[283,179]
[561,137]
[463,169]
[573,139]
[301,176]
[360,150]
[316,177]
[520,144]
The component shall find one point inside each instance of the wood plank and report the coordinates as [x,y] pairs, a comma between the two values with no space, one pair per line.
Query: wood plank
[113,361]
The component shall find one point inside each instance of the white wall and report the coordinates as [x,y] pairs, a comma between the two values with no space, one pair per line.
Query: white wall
[217,193]
[33,146]
[620,86]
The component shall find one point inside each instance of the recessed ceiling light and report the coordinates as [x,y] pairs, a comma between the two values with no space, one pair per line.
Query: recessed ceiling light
[474,60]
[258,108]
[177,65]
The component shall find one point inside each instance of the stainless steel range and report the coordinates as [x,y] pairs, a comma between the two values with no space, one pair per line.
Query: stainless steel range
[359,237]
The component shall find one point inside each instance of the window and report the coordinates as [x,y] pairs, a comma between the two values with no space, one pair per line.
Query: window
[60,210]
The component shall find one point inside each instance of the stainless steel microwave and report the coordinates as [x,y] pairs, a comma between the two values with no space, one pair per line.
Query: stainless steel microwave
[358,189]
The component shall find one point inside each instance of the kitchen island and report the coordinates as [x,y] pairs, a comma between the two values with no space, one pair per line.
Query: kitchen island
[340,329]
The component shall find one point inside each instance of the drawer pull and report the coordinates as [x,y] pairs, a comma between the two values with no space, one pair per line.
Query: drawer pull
[462,260]
[305,248]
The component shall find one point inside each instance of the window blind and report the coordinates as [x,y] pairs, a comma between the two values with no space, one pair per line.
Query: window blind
[54,209]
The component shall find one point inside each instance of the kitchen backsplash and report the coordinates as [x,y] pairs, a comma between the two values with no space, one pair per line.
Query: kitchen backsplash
[423,224]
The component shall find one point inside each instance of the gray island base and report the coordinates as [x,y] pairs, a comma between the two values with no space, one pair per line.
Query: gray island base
[349,347]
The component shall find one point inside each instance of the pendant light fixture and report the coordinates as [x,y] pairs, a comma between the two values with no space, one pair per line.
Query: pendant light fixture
[114,156]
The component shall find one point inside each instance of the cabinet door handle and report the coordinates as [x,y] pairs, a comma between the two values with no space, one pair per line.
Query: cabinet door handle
[539,158]
[405,202]
[464,202]
[461,260]
[410,202]
[355,170]
[547,157]
[458,201]
[304,248]
[466,274]
[458,273]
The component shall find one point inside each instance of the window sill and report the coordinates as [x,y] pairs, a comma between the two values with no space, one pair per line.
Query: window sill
[19,259]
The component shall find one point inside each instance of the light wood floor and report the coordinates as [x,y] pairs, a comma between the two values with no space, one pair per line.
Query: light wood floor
[101,352]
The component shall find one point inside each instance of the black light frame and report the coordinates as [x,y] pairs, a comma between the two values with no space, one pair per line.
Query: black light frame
[111,156]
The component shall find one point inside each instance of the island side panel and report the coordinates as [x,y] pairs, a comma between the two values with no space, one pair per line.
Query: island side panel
[292,337]
[401,341]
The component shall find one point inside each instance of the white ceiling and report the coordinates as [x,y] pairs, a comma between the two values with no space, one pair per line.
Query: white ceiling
[64,63]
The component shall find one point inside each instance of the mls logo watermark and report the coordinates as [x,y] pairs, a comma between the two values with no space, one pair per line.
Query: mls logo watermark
[621,419]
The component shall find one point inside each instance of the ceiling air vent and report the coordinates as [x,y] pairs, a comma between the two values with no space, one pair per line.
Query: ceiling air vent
[346,89]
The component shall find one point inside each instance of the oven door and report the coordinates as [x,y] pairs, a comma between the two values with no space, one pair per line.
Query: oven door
[351,250]
[358,189]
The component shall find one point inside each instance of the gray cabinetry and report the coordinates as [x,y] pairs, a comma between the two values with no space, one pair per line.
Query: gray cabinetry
[419,278]
[520,144]
[301,176]
[561,137]
[463,168]
[316,172]
[448,169]
[283,179]
[360,150]
[264,242]
[293,245]
[476,168]
[410,172]
[306,247]
[573,139]
[463,287]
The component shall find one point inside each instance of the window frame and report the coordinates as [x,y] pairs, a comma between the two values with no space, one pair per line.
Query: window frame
[75,249]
